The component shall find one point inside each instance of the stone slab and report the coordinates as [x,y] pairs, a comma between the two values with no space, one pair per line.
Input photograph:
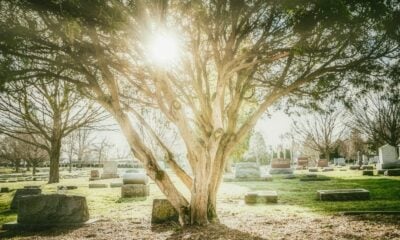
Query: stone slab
[328,169]
[135,190]
[368,172]
[274,171]
[313,170]
[52,209]
[163,212]
[367,167]
[98,185]
[116,184]
[392,172]
[261,197]
[23,192]
[343,194]
[354,167]
[4,189]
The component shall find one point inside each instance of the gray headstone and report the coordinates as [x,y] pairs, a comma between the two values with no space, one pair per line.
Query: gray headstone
[247,170]
[163,211]
[52,209]
[135,190]
[387,156]
[23,192]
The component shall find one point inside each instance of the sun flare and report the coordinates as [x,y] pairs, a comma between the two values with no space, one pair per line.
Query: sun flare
[163,48]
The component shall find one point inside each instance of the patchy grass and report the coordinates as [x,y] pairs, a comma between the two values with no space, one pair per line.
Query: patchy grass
[296,203]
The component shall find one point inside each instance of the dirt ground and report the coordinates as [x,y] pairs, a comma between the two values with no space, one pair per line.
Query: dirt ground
[241,226]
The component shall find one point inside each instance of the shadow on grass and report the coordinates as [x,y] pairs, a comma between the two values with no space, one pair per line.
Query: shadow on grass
[211,231]
[384,192]
[33,233]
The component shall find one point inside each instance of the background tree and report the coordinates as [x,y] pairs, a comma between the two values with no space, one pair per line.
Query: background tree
[43,113]
[378,117]
[233,53]
[321,132]
[258,148]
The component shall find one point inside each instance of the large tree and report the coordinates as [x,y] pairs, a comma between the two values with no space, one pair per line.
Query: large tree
[378,118]
[231,53]
[42,113]
[321,131]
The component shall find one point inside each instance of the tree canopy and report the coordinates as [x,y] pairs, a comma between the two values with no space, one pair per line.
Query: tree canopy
[235,59]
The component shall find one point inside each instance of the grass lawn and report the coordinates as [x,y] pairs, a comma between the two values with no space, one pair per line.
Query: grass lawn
[295,198]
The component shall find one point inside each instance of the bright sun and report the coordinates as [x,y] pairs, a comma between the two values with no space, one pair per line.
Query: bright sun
[163,49]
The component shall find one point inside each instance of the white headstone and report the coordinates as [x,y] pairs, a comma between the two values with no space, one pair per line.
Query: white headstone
[339,161]
[110,170]
[387,154]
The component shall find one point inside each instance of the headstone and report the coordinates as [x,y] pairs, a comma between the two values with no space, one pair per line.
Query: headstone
[388,158]
[354,167]
[328,169]
[23,192]
[135,190]
[4,190]
[163,211]
[322,163]
[365,159]
[367,167]
[280,163]
[261,197]
[314,177]
[135,178]
[392,172]
[52,209]
[313,169]
[339,161]
[110,170]
[98,185]
[116,184]
[69,187]
[343,194]
[94,175]
[368,173]
[302,162]
[245,170]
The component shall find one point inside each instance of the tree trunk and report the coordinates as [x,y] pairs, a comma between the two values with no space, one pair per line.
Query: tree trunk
[33,169]
[55,161]
[70,165]
[17,166]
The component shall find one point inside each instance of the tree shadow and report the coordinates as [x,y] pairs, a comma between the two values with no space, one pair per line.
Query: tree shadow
[41,232]
[211,231]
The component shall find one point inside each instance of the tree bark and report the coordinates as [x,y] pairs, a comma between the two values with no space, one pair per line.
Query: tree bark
[54,176]
[33,169]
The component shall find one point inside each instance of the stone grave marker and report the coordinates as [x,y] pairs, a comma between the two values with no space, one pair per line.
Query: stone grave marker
[163,211]
[94,175]
[23,192]
[368,172]
[247,170]
[343,194]
[135,190]
[98,185]
[302,162]
[322,163]
[339,161]
[388,158]
[110,170]
[43,211]
[280,166]
[4,190]
[392,172]
[261,197]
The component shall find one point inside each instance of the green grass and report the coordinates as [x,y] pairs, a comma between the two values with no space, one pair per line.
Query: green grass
[295,197]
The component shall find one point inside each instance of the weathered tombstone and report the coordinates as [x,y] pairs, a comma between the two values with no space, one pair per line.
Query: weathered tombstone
[388,158]
[52,210]
[116,184]
[354,167]
[135,178]
[314,177]
[23,192]
[328,169]
[339,161]
[163,211]
[98,185]
[343,194]
[392,172]
[313,169]
[322,163]
[247,170]
[367,167]
[368,173]
[268,197]
[251,197]
[94,175]
[110,170]
[69,187]
[365,159]
[4,190]
[280,166]
[135,190]
[302,162]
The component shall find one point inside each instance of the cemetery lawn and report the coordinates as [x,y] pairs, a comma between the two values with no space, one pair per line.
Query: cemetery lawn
[297,215]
